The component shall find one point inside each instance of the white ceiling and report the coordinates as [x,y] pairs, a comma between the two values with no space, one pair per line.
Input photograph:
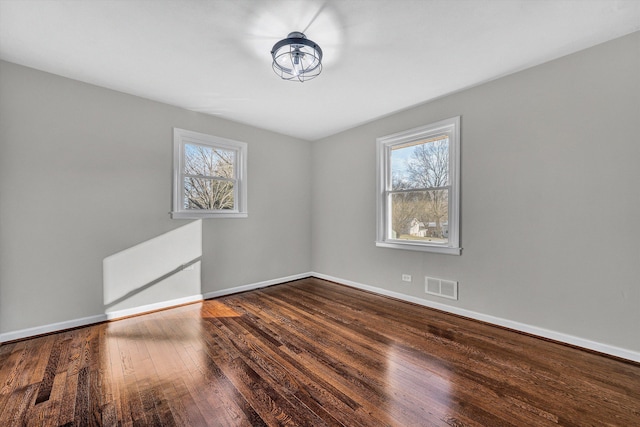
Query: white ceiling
[380,56]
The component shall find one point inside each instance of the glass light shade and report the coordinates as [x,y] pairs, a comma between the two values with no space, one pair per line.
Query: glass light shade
[297,58]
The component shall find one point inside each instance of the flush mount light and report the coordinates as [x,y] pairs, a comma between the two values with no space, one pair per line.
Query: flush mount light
[297,58]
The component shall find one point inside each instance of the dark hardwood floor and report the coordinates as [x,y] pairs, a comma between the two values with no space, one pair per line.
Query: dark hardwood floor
[309,353]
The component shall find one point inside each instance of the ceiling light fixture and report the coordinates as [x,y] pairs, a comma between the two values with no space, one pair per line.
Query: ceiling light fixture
[297,58]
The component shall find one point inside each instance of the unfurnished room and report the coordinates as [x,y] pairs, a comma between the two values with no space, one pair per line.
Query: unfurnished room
[320,213]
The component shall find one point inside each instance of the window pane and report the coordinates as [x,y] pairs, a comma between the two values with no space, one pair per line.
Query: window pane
[420,215]
[424,164]
[209,194]
[208,161]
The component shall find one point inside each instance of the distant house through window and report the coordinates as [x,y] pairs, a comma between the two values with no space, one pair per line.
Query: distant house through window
[210,176]
[418,188]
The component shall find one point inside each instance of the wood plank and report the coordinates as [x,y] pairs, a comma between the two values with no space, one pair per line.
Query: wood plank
[309,352]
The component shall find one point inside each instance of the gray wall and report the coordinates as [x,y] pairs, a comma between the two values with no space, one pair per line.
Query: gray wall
[85,179]
[550,198]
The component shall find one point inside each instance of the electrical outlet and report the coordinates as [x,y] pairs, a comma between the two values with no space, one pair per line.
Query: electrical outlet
[406,277]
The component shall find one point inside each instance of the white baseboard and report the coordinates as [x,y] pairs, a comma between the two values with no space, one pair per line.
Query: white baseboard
[258,285]
[522,327]
[53,327]
[117,314]
[113,315]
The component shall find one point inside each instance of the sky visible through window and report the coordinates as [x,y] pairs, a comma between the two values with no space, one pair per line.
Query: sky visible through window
[406,157]
[399,161]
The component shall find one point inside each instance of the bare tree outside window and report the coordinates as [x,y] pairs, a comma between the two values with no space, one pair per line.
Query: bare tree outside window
[418,184]
[420,180]
[209,178]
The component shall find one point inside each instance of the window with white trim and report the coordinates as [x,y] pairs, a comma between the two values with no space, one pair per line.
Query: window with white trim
[209,176]
[418,198]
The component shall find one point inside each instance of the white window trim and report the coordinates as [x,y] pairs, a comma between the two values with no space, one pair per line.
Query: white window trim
[181,137]
[384,145]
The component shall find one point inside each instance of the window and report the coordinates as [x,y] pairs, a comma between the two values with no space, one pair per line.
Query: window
[418,188]
[209,176]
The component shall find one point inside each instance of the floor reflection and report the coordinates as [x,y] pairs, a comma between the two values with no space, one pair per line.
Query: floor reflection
[417,382]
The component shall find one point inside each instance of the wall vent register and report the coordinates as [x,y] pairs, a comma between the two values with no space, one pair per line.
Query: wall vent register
[441,288]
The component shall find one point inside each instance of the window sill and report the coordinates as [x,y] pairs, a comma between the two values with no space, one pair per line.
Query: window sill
[200,215]
[420,247]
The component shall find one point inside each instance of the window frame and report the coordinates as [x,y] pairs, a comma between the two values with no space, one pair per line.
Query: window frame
[181,138]
[384,147]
